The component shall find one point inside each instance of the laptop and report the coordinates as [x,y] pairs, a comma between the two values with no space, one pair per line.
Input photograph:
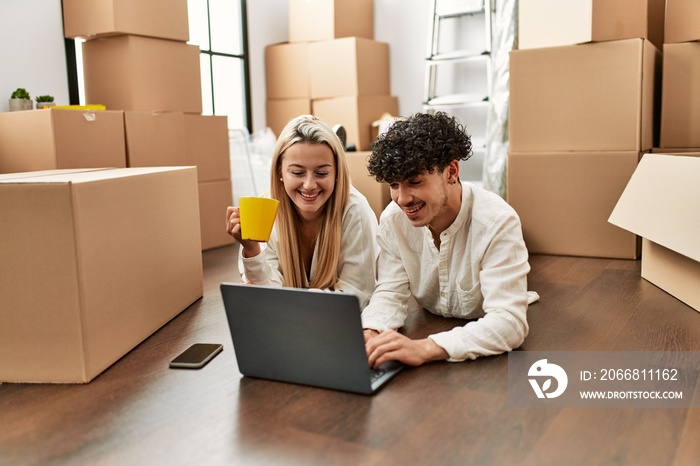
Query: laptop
[307,337]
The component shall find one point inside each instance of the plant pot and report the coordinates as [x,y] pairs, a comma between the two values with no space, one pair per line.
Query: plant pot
[40,105]
[21,104]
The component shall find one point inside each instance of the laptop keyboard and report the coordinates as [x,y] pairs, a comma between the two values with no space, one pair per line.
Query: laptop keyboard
[375,374]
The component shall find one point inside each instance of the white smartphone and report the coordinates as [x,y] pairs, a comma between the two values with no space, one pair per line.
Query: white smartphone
[196,356]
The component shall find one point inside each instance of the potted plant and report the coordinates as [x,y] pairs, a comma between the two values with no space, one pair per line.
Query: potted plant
[20,100]
[44,101]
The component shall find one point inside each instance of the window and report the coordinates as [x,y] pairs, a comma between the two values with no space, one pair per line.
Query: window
[218,28]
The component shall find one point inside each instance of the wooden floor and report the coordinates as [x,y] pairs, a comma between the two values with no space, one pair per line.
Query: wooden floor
[140,412]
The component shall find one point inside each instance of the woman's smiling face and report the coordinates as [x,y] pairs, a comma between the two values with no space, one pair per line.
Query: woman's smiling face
[308,174]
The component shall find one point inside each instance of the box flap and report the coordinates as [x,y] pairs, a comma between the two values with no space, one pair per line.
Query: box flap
[31,177]
[87,176]
[662,203]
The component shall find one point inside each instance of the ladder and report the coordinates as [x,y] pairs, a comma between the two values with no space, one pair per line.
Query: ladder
[440,11]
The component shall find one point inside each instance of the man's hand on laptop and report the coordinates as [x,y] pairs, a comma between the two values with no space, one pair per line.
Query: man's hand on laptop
[390,345]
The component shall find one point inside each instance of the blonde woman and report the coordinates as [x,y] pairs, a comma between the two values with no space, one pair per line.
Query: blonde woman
[325,232]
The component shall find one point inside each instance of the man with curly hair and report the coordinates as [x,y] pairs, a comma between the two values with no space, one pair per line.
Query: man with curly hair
[455,249]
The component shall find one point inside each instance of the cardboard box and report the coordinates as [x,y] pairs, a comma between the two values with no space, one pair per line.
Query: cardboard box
[591,97]
[680,105]
[61,171]
[356,114]
[207,146]
[155,139]
[377,193]
[280,111]
[141,73]
[661,203]
[214,198]
[287,71]
[674,273]
[51,138]
[122,258]
[550,23]
[165,19]
[564,201]
[351,66]
[686,151]
[682,21]
[312,20]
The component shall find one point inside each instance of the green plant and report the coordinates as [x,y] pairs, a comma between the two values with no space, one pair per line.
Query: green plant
[20,93]
[44,98]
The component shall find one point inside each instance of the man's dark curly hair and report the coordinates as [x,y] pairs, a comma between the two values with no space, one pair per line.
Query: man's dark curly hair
[420,143]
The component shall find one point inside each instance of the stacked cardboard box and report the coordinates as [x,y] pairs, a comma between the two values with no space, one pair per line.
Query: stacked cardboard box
[51,139]
[660,203]
[286,83]
[377,194]
[548,23]
[680,106]
[136,59]
[331,67]
[136,55]
[583,109]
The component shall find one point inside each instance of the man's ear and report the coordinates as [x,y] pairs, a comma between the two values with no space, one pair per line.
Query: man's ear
[453,171]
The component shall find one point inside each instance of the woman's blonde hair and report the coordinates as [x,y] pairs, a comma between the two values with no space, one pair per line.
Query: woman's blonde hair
[309,129]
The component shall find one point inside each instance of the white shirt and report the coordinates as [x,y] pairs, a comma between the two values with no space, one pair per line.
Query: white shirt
[357,268]
[480,272]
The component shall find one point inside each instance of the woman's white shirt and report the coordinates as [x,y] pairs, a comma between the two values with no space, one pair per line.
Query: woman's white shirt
[357,268]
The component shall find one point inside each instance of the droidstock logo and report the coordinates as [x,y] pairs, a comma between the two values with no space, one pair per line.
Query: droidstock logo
[545,371]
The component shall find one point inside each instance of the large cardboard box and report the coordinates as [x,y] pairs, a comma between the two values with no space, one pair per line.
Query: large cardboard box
[141,73]
[155,139]
[287,71]
[280,111]
[356,114]
[312,20]
[165,19]
[682,23]
[685,151]
[661,203]
[680,101]
[550,23]
[214,198]
[207,146]
[92,263]
[350,66]
[377,193]
[51,138]
[564,201]
[59,171]
[590,97]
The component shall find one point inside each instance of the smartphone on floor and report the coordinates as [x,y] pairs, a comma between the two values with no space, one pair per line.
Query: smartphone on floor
[196,356]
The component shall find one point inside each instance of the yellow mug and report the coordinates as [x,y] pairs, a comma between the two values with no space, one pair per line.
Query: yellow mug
[257,217]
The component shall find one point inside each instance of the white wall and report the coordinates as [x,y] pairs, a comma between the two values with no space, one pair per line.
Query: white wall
[403,24]
[267,24]
[32,51]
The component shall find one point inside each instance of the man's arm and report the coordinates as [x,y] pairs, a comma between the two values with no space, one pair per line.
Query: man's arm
[388,306]
[503,283]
